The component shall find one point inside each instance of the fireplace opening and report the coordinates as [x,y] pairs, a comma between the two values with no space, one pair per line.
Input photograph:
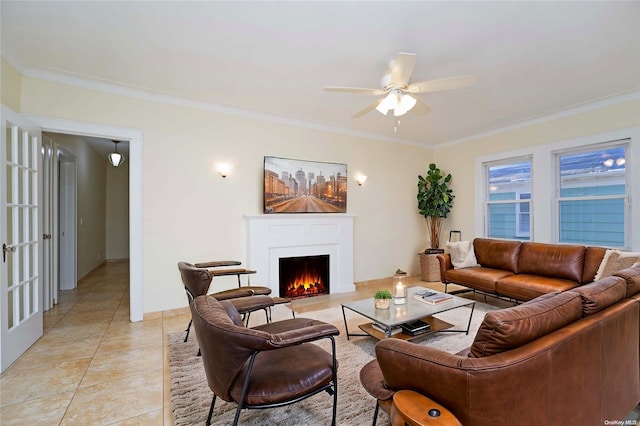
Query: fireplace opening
[304,276]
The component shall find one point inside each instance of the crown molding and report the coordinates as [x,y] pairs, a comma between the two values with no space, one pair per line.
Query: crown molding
[146,94]
[618,98]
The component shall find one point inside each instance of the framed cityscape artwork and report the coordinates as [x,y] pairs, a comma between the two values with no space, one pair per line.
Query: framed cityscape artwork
[299,186]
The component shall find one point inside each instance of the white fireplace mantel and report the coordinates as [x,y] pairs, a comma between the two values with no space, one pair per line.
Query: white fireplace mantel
[272,236]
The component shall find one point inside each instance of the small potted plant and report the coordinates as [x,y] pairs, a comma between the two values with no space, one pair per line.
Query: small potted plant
[382,299]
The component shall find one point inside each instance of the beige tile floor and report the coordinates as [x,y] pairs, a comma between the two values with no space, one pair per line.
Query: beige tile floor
[93,366]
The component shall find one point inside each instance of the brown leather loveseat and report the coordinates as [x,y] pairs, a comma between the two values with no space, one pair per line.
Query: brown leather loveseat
[563,358]
[524,270]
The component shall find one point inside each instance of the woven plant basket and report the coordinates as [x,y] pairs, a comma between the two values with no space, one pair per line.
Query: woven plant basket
[429,267]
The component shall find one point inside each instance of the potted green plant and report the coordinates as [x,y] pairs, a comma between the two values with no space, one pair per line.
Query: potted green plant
[435,200]
[382,299]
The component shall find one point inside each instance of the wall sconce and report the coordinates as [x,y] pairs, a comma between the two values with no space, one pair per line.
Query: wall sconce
[361,179]
[224,169]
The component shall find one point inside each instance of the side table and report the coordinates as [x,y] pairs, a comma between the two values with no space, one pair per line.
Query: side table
[411,408]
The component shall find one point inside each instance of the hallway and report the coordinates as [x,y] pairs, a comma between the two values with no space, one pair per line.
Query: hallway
[92,365]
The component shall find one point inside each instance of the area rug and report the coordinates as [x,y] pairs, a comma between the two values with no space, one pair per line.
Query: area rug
[191,396]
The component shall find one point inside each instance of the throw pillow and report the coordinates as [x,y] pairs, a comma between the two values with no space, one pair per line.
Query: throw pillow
[614,261]
[462,254]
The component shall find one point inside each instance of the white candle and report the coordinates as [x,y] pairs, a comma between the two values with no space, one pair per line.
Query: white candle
[399,290]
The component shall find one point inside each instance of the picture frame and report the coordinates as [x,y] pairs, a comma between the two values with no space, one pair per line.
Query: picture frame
[302,186]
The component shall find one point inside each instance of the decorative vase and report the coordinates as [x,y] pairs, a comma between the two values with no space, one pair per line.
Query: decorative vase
[381,303]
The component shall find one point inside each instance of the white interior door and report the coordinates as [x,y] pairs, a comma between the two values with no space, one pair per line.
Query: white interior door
[66,230]
[21,288]
[49,279]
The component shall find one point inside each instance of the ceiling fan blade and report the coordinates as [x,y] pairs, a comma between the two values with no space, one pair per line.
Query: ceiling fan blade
[420,107]
[360,90]
[402,68]
[443,84]
[367,109]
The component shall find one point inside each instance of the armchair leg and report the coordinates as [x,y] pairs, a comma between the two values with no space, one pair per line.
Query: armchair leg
[188,329]
[213,403]
[375,414]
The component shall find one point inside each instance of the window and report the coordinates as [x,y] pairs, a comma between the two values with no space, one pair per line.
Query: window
[592,195]
[508,200]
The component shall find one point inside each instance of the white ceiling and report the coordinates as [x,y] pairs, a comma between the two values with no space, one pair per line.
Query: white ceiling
[271,60]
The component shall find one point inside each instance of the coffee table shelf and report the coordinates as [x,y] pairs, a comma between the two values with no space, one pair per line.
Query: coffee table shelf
[435,323]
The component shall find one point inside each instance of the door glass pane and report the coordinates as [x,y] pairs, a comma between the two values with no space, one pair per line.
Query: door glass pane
[28,150]
[10,310]
[19,148]
[20,306]
[10,270]
[9,144]
[32,258]
[9,225]
[21,268]
[33,301]
[19,196]
[9,174]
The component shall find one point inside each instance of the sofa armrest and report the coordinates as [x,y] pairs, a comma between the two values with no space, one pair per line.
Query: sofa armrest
[445,264]
[429,371]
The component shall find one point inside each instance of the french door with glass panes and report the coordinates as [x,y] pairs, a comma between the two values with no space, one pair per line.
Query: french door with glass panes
[20,287]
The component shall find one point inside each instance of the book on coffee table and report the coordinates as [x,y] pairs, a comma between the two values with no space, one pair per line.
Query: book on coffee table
[383,328]
[416,327]
[432,297]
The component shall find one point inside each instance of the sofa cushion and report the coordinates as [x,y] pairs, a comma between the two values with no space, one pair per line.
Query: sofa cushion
[510,328]
[497,254]
[483,279]
[552,260]
[462,254]
[615,260]
[601,294]
[527,287]
[632,278]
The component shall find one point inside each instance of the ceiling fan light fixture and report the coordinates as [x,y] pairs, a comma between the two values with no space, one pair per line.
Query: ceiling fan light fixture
[115,158]
[389,102]
[406,103]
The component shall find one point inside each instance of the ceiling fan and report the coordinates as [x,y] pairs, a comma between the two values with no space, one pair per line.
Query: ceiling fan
[398,89]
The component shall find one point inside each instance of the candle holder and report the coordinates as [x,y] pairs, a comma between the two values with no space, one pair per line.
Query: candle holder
[399,290]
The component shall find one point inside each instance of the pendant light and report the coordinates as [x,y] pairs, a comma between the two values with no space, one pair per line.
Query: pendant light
[115,158]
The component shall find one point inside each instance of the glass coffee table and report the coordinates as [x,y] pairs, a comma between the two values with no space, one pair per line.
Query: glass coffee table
[410,311]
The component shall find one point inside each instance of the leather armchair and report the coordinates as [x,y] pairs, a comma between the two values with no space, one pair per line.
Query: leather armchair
[266,366]
[197,280]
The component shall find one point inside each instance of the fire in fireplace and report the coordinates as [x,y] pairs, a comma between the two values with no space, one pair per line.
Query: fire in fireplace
[304,276]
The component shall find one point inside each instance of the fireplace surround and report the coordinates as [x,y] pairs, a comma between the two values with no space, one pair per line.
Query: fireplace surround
[271,237]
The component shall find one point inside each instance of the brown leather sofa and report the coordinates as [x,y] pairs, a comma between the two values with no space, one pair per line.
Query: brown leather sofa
[563,358]
[524,270]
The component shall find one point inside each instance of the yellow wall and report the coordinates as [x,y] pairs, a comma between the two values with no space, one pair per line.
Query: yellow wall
[10,84]
[459,159]
[190,213]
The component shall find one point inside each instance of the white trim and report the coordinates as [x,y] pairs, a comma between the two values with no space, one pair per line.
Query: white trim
[135,138]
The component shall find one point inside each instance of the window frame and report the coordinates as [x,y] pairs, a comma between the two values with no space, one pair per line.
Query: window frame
[517,201]
[544,209]
[626,197]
